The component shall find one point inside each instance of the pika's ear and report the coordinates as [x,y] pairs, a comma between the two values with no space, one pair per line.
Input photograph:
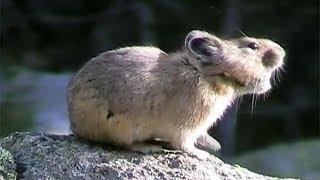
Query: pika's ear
[203,45]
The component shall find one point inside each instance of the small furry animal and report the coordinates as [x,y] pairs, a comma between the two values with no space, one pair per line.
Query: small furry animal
[133,94]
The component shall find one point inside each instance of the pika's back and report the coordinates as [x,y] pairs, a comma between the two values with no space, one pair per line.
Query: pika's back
[125,72]
[118,63]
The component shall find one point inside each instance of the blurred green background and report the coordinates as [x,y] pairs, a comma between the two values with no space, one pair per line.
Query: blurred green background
[44,42]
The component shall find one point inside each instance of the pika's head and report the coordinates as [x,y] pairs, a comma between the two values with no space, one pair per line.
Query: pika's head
[246,63]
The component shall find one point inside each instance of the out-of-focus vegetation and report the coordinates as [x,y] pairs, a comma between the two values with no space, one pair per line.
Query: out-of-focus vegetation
[58,36]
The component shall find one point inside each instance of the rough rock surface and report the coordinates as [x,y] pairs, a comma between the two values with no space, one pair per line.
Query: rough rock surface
[42,156]
[7,165]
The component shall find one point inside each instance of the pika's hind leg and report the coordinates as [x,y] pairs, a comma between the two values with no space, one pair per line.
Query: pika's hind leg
[145,148]
[186,143]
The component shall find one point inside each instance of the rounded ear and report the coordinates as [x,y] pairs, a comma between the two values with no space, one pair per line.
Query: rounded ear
[203,46]
[191,35]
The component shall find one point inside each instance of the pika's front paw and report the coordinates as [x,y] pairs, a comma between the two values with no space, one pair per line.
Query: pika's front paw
[206,142]
[202,155]
[193,151]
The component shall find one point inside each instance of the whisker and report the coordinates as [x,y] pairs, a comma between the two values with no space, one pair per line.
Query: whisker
[256,85]
[255,103]
[278,74]
[254,98]
[242,33]
[252,101]
[266,95]
[251,110]
[282,68]
[273,78]
[238,101]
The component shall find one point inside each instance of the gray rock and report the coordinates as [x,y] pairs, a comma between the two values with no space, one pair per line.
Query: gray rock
[42,156]
[7,165]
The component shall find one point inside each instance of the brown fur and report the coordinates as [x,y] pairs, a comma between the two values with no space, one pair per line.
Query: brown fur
[134,94]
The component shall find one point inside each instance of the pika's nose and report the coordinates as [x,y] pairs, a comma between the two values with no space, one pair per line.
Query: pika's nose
[271,58]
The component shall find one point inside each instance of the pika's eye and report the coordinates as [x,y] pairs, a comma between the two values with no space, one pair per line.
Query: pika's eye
[253,45]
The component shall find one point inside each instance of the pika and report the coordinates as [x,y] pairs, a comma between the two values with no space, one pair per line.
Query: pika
[133,94]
